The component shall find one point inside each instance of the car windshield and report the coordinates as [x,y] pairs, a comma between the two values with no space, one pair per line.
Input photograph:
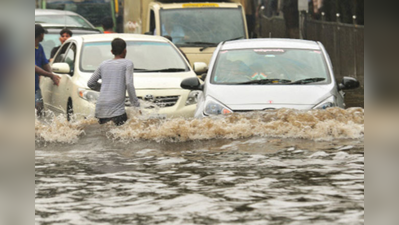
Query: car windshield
[52,40]
[147,56]
[270,66]
[205,27]
[69,20]
[94,11]
[49,42]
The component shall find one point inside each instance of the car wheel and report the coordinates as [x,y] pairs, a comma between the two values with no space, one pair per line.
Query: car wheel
[69,110]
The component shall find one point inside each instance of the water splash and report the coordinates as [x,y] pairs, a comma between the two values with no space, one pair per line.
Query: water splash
[318,125]
[327,124]
[58,129]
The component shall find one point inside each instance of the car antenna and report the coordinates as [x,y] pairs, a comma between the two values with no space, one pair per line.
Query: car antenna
[270,34]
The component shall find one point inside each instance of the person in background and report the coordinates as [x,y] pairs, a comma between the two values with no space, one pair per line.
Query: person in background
[64,35]
[117,77]
[42,68]
[108,25]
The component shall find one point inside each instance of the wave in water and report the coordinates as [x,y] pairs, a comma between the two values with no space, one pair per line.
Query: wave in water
[318,125]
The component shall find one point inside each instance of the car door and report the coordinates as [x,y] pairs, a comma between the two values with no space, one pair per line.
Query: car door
[62,93]
[46,84]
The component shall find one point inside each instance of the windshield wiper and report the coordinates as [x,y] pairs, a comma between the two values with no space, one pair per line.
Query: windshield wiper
[140,70]
[200,43]
[205,47]
[162,70]
[235,38]
[265,81]
[308,80]
[207,44]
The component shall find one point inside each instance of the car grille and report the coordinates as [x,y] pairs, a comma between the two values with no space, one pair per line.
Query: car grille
[160,101]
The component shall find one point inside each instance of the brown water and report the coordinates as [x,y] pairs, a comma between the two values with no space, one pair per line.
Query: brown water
[277,167]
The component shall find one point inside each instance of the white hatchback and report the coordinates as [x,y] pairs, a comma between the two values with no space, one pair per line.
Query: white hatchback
[259,74]
[159,68]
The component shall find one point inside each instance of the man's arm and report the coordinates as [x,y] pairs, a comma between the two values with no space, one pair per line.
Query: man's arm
[130,86]
[93,81]
[46,71]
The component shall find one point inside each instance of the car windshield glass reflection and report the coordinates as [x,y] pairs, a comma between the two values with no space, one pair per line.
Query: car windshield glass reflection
[204,28]
[146,56]
[49,42]
[61,19]
[270,67]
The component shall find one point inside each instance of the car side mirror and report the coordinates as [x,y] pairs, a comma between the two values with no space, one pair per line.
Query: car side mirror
[200,68]
[349,83]
[191,83]
[203,76]
[62,68]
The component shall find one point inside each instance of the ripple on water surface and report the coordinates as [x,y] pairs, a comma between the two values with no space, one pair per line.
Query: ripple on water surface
[276,167]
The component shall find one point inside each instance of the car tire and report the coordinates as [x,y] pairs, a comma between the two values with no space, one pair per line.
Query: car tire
[69,113]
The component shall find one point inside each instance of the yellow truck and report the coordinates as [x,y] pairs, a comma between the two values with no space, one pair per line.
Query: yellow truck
[195,27]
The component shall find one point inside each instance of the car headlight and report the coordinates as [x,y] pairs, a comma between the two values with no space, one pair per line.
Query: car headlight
[88,95]
[213,107]
[327,103]
[192,98]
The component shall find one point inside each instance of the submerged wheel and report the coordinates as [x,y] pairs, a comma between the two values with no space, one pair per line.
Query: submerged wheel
[69,110]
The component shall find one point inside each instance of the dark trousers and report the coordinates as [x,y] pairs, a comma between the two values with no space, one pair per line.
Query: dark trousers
[118,120]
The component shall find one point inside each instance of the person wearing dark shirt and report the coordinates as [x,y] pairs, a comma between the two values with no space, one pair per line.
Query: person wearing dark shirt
[108,25]
[42,68]
[64,35]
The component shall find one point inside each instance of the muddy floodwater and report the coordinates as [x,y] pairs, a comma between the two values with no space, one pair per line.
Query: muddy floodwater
[276,167]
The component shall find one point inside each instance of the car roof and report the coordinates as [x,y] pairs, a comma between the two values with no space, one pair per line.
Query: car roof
[53,12]
[270,43]
[124,36]
[56,26]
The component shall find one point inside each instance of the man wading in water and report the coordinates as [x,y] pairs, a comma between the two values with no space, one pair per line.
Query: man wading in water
[117,77]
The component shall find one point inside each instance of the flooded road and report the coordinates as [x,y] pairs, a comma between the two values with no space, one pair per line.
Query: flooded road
[276,167]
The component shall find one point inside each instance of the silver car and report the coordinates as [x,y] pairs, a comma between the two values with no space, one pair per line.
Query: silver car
[64,17]
[260,74]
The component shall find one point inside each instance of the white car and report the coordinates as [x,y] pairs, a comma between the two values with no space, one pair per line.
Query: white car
[159,68]
[260,74]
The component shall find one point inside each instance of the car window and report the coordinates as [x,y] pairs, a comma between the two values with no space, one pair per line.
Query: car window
[60,56]
[202,26]
[49,42]
[63,19]
[146,56]
[70,57]
[289,65]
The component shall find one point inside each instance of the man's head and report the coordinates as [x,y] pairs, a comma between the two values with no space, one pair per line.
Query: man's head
[119,47]
[39,32]
[107,23]
[65,34]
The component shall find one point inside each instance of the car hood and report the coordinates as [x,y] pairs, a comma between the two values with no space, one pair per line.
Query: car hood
[152,80]
[258,97]
[160,80]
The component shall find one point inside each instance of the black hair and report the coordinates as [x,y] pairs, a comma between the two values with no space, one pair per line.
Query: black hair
[107,23]
[66,30]
[39,30]
[118,45]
